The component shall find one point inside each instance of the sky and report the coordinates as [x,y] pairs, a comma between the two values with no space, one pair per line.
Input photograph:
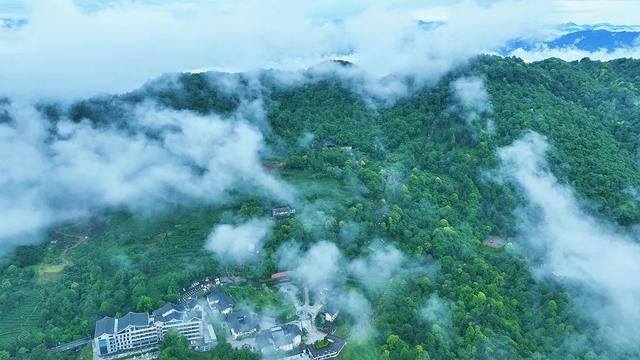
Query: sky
[578,11]
[77,48]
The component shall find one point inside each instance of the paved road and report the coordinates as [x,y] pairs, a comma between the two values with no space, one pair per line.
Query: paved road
[306,312]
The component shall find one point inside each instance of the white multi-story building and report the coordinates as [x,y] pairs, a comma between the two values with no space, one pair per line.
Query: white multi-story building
[136,331]
[127,333]
[184,321]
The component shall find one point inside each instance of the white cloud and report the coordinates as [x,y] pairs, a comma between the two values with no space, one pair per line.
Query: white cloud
[436,311]
[576,248]
[318,267]
[473,98]
[67,52]
[596,11]
[55,172]
[359,308]
[240,244]
[375,270]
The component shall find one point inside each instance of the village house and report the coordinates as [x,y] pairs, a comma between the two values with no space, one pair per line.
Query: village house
[331,312]
[242,324]
[282,212]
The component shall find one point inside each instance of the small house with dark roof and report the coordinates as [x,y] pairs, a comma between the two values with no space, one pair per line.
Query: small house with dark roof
[242,324]
[330,144]
[283,212]
[219,301]
[328,348]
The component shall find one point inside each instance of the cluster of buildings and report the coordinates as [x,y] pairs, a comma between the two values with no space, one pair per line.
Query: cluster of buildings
[136,331]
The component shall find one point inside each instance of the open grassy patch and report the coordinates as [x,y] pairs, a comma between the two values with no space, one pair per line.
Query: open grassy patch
[47,273]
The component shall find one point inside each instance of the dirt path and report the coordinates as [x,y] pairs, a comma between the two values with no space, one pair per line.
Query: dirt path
[63,255]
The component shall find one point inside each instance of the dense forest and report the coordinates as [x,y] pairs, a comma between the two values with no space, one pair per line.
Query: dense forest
[412,173]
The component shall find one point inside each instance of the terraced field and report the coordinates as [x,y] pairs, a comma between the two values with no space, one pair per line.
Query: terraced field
[20,320]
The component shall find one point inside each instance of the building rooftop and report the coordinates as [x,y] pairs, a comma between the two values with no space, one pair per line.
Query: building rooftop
[494,242]
[220,300]
[280,275]
[278,336]
[334,347]
[105,325]
[133,319]
[242,321]
[168,312]
[282,212]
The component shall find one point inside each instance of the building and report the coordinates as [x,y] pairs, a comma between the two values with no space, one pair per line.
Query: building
[331,312]
[280,338]
[494,242]
[137,331]
[132,331]
[196,289]
[219,301]
[283,212]
[242,324]
[328,348]
[186,321]
[330,144]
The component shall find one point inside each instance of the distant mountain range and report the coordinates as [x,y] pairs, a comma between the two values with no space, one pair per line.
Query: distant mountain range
[11,23]
[583,37]
[587,40]
[587,37]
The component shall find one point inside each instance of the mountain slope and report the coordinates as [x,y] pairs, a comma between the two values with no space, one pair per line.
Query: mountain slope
[420,175]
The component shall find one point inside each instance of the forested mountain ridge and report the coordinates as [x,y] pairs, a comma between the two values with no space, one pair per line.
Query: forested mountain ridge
[420,174]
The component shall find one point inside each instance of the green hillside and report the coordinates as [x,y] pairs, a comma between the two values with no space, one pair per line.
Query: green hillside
[414,174]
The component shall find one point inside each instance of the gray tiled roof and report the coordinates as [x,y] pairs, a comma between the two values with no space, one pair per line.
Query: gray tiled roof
[168,308]
[285,335]
[335,346]
[220,300]
[242,321]
[105,326]
[278,336]
[133,319]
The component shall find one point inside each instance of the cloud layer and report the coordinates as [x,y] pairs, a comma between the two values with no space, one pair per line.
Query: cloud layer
[575,248]
[53,172]
[65,51]
[240,244]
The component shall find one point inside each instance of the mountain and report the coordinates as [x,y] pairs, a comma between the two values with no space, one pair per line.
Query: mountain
[406,209]
[12,23]
[582,37]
